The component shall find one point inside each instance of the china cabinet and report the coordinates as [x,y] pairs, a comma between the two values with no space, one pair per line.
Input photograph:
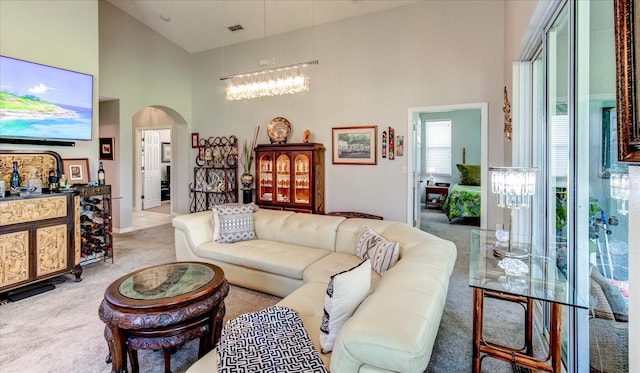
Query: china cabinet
[290,177]
[215,175]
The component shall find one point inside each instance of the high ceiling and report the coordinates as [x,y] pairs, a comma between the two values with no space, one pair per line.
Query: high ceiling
[198,25]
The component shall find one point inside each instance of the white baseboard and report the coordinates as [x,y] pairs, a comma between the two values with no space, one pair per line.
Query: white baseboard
[122,230]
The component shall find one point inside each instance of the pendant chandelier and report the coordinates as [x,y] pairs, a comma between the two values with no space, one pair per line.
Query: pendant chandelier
[285,80]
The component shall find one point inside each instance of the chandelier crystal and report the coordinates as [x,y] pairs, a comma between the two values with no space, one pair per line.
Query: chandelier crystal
[282,81]
[513,185]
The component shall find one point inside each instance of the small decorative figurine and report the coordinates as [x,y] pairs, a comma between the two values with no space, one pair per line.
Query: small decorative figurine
[305,136]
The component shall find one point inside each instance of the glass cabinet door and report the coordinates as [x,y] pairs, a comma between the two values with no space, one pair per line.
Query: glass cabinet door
[265,182]
[302,179]
[283,178]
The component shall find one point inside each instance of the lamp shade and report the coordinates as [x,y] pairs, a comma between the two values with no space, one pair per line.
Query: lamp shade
[513,185]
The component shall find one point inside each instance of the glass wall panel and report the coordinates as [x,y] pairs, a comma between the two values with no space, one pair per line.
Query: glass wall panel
[557,152]
[601,221]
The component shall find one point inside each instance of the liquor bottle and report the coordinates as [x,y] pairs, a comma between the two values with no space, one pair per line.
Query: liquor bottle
[53,181]
[101,175]
[14,179]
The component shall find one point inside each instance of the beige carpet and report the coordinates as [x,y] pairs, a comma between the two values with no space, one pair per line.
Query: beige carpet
[59,331]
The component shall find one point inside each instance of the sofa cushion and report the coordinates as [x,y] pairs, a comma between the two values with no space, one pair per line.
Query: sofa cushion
[233,222]
[311,230]
[268,223]
[345,292]
[308,301]
[268,256]
[383,253]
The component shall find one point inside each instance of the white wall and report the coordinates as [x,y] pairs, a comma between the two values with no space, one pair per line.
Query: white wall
[142,69]
[371,70]
[61,34]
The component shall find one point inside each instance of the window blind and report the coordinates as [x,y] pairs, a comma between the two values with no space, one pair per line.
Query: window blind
[438,146]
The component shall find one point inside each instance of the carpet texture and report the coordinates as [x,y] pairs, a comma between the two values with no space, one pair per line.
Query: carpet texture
[59,331]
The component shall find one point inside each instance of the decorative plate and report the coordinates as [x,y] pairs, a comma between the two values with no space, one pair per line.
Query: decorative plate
[278,130]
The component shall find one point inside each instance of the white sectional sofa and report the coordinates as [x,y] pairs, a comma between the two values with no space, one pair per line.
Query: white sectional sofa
[294,256]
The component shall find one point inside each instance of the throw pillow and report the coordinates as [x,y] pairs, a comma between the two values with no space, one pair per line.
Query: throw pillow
[233,222]
[383,253]
[469,174]
[346,290]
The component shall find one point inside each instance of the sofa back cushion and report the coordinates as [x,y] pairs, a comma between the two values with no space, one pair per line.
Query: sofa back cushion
[268,223]
[311,230]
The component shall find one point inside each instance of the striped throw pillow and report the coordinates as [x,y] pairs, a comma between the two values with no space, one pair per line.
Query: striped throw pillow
[382,253]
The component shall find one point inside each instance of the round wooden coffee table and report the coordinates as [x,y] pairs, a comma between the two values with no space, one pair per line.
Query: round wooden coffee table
[162,307]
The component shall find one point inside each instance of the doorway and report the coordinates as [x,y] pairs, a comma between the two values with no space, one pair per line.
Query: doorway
[417,171]
[154,156]
[155,149]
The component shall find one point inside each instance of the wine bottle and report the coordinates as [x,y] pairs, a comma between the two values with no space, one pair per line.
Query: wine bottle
[101,175]
[53,181]
[14,179]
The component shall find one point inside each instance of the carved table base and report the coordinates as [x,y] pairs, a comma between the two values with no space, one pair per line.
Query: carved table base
[162,324]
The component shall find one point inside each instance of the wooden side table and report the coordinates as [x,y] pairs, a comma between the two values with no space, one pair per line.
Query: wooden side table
[162,307]
[442,191]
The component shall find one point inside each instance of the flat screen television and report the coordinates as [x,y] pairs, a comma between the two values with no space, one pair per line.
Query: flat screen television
[43,102]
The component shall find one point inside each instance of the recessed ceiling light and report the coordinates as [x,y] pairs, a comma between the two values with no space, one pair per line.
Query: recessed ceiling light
[165,18]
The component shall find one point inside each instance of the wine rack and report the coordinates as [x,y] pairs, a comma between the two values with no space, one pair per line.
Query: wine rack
[215,176]
[96,237]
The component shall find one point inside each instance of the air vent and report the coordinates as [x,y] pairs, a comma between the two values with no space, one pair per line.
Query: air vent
[235,28]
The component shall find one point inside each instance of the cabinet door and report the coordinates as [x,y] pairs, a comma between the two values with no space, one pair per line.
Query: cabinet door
[283,178]
[265,177]
[51,249]
[302,180]
[14,258]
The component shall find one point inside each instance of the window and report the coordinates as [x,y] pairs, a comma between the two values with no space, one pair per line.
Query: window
[438,147]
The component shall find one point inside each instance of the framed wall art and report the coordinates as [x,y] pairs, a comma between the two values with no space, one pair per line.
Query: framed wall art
[392,133]
[107,151]
[354,145]
[627,33]
[166,152]
[76,170]
[195,139]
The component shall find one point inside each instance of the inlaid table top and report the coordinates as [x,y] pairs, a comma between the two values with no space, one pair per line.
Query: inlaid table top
[164,285]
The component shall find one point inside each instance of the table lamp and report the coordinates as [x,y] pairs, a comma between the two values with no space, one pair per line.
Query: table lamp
[619,184]
[514,187]
[431,171]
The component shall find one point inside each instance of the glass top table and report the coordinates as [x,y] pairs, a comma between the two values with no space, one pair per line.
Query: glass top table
[166,281]
[543,281]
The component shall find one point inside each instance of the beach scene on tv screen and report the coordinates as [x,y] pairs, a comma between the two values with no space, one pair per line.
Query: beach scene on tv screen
[44,102]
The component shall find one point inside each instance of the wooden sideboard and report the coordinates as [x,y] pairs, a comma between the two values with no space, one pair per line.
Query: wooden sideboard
[39,239]
[39,234]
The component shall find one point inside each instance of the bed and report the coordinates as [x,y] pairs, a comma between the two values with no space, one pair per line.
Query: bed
[463,200]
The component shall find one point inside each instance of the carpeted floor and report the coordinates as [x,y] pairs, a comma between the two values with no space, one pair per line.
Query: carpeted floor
[59,331]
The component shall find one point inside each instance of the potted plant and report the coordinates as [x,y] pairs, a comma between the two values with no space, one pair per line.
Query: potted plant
[247,159]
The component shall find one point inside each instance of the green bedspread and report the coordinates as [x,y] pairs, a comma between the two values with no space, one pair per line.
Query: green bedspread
[462,201]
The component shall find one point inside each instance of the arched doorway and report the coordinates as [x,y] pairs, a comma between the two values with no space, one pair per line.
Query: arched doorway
[171,127]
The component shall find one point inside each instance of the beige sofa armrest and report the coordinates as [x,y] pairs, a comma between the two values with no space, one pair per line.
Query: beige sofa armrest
[192,230]
[405,307]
